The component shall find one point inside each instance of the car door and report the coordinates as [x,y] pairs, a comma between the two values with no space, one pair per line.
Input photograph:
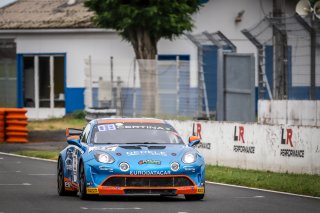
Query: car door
[73,156]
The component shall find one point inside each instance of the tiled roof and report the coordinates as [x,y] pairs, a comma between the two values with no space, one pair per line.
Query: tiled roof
[45,14]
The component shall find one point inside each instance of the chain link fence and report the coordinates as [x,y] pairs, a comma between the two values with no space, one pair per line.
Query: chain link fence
[302,76]
[118,84]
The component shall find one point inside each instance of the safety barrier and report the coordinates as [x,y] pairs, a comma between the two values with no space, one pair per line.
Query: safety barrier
[277,148]
[15,128]
[2,132]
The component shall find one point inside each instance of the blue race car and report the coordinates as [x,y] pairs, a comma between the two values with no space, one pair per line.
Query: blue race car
[130,156]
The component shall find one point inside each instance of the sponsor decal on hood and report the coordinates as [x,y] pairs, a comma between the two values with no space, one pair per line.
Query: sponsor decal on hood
[141,172]
[156,162]
[155,153]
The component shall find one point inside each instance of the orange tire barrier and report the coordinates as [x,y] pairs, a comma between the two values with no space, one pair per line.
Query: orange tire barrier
[13,137]
[16,125]
[2,134]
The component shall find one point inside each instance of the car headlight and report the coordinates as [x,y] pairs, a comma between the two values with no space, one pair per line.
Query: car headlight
[189,157]
[104,158]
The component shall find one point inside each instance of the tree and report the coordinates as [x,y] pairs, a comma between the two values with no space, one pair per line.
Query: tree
[143,23]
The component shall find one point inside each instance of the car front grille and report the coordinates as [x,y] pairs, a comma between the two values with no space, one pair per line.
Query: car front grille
[150,191]
[148,181]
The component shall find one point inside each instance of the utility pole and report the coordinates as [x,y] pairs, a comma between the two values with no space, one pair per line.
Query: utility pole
[313,54]
[134,108]
[280,52]
[118,102]
[113,101]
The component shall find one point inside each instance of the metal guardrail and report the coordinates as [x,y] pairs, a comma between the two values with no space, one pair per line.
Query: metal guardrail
[94,113]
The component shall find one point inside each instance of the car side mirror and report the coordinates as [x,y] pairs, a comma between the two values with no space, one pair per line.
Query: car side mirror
[74,133]
[73,141]
[193,140]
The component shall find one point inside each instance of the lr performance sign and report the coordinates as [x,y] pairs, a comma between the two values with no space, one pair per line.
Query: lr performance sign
[202,145]
[286,139]
[238,137]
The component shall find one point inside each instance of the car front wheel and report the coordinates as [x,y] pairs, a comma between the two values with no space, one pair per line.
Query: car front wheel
[82,184]
[60,181]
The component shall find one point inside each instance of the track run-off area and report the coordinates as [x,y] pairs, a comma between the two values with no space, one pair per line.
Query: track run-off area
[29,185]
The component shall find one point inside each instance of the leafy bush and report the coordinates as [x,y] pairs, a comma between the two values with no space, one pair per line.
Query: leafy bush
[79,114]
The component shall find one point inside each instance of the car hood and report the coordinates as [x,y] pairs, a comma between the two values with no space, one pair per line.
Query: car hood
[143,151]
[145,159]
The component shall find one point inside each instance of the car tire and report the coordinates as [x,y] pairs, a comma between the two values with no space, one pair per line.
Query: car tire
[60,181]
[194,197]
[82,183]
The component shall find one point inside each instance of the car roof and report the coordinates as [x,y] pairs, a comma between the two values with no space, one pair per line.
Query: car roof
[129,120]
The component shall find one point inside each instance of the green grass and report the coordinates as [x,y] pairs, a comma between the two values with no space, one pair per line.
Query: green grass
[71,122]
[293,183]
[53,155]
[56,124]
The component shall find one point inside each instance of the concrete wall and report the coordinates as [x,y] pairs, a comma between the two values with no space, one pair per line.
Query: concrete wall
[291,112]
[278,148]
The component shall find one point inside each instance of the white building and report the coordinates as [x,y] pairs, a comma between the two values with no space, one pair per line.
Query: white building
[49,42]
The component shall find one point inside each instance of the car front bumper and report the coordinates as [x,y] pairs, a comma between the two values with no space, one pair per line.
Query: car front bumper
[147,184]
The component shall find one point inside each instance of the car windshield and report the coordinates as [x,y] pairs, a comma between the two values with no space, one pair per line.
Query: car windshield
[135,133]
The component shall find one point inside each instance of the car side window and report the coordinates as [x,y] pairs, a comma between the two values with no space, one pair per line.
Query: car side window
[85,134]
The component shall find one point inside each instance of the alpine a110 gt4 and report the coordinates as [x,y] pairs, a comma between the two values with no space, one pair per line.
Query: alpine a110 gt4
[122,156]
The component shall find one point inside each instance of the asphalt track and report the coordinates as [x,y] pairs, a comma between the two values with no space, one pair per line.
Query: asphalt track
[29,185]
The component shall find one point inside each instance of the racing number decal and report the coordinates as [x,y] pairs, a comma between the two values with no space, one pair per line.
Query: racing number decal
[107,127]
[92,191]
[67,185]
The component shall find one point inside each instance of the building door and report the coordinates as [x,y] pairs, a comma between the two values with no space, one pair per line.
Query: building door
[239,88]
[210,64]
[43,85]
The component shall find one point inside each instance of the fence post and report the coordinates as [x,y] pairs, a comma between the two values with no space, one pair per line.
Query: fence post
[88,83]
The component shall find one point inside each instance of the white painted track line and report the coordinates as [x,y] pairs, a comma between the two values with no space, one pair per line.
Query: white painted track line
[15,184]
[22,156]
[263,190]
[133,208]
